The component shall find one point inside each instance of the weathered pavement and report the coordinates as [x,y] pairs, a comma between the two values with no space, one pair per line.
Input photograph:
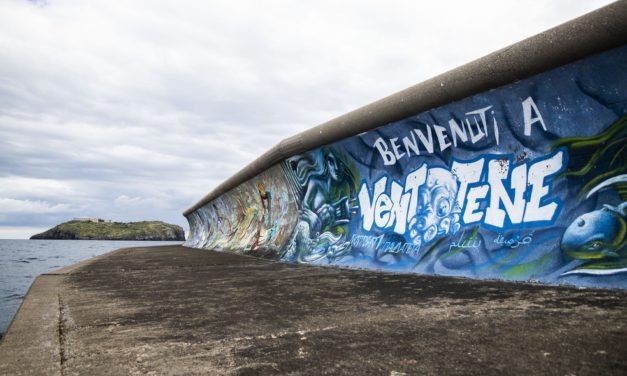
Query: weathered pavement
[175,310]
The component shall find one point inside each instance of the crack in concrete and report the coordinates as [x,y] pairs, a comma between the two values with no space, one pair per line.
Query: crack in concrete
[61,334]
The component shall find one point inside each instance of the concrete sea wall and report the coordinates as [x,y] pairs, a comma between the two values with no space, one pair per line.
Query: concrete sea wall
[525,180]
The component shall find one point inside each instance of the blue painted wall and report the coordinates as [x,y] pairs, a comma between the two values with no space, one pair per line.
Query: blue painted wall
[524,182]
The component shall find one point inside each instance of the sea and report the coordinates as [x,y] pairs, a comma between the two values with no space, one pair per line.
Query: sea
[21,261]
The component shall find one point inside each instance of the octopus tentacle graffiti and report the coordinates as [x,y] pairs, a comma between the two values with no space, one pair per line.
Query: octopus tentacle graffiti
[604,155]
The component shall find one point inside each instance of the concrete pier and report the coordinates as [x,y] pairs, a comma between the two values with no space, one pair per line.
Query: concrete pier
[175,310]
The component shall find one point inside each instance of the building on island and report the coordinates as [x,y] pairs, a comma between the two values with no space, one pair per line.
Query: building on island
[94,220]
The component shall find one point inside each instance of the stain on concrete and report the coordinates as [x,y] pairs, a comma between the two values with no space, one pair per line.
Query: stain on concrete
[177,310]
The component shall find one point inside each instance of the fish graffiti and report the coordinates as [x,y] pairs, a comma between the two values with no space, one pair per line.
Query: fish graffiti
[526,182]
[598,237]
[599,234]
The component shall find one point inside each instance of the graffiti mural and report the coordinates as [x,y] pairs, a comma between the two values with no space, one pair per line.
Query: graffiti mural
[255,218]
[599,236]
[526,182]
[326,184]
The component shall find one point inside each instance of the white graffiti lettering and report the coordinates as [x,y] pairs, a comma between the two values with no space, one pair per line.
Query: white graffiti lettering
[490,190]
[387,210]
[529,107]
[475,126]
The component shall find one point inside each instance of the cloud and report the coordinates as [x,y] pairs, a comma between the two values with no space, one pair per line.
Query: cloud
[26,187]
[21,232]
[9,205]
[136,110]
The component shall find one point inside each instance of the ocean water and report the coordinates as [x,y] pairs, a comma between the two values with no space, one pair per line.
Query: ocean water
[21,261]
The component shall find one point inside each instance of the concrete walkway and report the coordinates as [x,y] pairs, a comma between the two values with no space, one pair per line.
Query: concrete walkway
[181,311]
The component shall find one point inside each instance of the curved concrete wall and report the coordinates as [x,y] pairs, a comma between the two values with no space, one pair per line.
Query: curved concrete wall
[527,181]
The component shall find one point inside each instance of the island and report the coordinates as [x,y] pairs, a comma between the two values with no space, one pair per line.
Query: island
[102,229]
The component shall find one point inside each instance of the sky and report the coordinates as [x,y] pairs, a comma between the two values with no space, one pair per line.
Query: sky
[134,110]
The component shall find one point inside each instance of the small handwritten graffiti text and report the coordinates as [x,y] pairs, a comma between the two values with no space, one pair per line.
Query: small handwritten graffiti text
[514,241]
[367,242]
[378,243]
[463,242]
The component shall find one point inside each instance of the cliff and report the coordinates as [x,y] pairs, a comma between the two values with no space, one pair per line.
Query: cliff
[146,230]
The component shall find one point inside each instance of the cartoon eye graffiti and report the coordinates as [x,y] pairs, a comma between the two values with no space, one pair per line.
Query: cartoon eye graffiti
[435,214]
[443,207]
[595,245]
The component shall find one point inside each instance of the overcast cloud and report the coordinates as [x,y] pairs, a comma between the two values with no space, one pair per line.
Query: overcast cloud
[134,110]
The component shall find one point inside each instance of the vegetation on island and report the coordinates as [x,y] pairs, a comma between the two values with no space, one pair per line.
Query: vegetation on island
[106,230]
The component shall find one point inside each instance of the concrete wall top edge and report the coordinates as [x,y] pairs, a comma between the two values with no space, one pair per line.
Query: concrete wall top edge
[591,33]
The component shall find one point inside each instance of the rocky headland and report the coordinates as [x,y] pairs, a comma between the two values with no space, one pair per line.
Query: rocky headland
[107,230]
